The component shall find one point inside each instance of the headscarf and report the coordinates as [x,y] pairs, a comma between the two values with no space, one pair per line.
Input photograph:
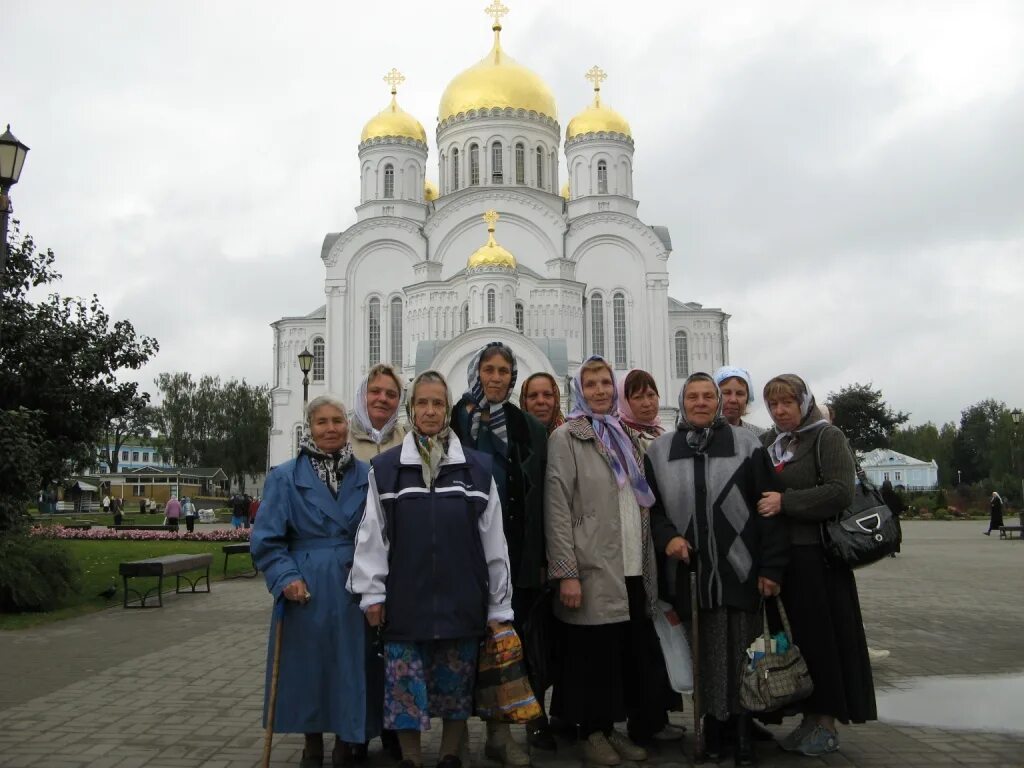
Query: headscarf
[653,428]
[433,450]
[733,372]
[782,449]
[557,419]
[618,448]
[480,402]
[362,415]
[699,437]
[330,467]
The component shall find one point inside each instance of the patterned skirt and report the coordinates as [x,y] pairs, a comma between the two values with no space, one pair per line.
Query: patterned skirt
[428,679]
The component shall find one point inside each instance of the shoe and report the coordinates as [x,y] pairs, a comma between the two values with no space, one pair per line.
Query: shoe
[627,749]
[877,654]
[744,753]
[506,752]
[987,533]
[597,750]
[669,733]
[714,738]
[311,761]
[389,742]
[820,741]
[449,761]
[563,728]
[791,741]
[539,736]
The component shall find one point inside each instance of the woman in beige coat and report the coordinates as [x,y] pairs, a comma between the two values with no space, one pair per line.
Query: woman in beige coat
[375,426]
[599,549]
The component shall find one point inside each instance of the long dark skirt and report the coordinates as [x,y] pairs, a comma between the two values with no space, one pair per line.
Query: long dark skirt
[725,635]
[614,672]
[821,601]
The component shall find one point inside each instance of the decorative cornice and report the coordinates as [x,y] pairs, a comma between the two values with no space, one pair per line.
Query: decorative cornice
[360,227]
[479,194]
[599,136]
[506,112]
[614,217]
[403,140]
[491,269]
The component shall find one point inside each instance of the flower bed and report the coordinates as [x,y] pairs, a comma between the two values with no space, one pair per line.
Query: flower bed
[105,534]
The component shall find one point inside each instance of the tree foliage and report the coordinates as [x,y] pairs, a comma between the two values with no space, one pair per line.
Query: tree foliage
[135,423]
[207,423]
[928,442]
[864,417]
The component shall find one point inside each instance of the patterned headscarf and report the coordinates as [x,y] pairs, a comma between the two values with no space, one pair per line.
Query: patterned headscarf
[784,446]
[362,415]
[618,448]
[329,467]
[652,428]
[557,418]
[699,437]
[433,449]
[480,401]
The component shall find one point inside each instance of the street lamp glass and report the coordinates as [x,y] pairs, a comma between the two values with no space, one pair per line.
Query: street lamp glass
[12,158]
[305,361]
[1015,414]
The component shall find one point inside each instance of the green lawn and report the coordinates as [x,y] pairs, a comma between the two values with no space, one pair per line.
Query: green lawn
[99,561]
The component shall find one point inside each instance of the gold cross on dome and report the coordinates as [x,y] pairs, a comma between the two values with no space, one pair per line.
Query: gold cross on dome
[491,217]
[394,78]
[496,10]
[596,75]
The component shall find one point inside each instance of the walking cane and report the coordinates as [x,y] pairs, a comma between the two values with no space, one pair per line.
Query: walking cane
[275,670]
[698,731]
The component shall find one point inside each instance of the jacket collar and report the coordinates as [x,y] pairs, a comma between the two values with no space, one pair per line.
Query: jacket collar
[316,493]
[411,455]
[722,444]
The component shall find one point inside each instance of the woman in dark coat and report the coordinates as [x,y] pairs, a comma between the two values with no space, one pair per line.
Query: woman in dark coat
[995,518]
[896,506]
[821,594]
[484,420]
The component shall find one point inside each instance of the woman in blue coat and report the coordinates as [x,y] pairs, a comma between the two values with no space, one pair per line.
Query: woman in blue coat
[331,679]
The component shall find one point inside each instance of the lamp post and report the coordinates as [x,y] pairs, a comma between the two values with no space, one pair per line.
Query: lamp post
[12,158]
[1015,414]
[305,365]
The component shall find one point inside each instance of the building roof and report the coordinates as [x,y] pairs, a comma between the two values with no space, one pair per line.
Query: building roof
[884,457]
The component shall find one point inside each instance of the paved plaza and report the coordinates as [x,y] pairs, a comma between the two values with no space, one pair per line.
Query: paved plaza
[181,687]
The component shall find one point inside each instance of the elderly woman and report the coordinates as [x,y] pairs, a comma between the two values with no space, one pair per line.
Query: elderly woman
[517,444]
[303,543]
[707,478]
[600,551]
[539,396]
[375,426]
[431,567]
[821,593]
[639,402]
[736,388]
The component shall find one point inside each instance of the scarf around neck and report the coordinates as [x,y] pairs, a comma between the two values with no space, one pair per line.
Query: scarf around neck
[329,467]
[433,450]
[698,438]
[362,417]
[784,446]
[653,428]
[496,411]
[618,447]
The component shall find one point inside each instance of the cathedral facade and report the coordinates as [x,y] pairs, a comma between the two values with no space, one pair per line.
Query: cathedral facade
[498,249]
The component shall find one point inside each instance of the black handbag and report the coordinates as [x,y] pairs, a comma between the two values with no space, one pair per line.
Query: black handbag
[864,532]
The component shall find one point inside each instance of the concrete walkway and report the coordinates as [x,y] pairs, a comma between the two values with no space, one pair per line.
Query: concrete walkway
[181,687]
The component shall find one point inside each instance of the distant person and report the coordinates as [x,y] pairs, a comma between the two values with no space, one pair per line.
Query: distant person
[142,506]
[737,390]
[995,513]
[106,504]
[115,509]
[895,504]
[254,507]
[239,509]
[188,509]
[246,510]
[172,511]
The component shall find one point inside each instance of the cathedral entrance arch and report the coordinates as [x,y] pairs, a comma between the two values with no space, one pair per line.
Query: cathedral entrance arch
[452,360]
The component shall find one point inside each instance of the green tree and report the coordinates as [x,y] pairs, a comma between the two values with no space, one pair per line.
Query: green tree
[927,442]
[246,425]
[864,417]
[982,449]
[136,423]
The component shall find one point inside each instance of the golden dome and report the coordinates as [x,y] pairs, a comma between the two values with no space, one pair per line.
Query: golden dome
[491,254]
[430,191]
[393,121]
[565,190]
[499,81]
[597,118]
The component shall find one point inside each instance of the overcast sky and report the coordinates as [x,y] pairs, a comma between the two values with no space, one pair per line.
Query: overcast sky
[845,179]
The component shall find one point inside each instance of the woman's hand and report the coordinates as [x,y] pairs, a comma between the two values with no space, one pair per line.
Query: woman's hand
[297,592]
[679,548]
[375,615]
[570,592]
[770,504]
[767,587]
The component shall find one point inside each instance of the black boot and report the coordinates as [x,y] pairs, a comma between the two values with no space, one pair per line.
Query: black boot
[714,738]
[745,754]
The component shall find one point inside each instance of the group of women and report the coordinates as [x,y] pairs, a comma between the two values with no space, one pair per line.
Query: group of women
[388,574]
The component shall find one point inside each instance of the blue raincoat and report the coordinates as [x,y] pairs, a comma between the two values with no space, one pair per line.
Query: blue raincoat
[331,680]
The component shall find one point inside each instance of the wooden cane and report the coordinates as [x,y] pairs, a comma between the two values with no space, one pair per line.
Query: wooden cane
[698,730]
[275,670]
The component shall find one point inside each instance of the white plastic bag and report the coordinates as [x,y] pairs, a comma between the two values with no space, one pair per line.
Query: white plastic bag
[674,647]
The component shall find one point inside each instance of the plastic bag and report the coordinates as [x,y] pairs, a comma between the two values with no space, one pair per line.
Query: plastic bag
[674,647]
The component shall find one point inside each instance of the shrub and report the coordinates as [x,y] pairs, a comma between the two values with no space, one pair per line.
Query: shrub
[941,514]
[35,574]
[940,498]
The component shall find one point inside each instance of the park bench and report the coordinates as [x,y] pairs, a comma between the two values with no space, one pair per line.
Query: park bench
[1007,531]
[168,565]
[242,548]
[79,525]
[173,528]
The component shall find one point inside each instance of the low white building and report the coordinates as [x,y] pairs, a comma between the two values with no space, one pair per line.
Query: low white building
[904,472]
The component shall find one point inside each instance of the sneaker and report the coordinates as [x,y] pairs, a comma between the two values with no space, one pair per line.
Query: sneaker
[626,748]
[820,741]
[877,654]
[597,750]
[791,741]
[669,733]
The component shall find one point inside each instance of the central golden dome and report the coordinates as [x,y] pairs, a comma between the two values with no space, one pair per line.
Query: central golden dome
[499,81]
[491,254]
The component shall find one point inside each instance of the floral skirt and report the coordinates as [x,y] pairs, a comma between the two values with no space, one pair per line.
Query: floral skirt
[428,679]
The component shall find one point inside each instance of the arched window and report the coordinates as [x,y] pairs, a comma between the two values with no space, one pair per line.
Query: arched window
[318,359]
[455,170]
[490,305]
[602,177]
[465,317]
[682,355]
[520,316]
[619,327]
[396,332]
[389,181]
[497,164]
[474,165]
[540,168]
[597,324]
[373,331]
[520,164]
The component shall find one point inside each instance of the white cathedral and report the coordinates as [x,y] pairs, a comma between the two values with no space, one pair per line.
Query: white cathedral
[496,250]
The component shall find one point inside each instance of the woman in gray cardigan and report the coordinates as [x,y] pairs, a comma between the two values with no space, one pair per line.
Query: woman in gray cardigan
[821,594]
